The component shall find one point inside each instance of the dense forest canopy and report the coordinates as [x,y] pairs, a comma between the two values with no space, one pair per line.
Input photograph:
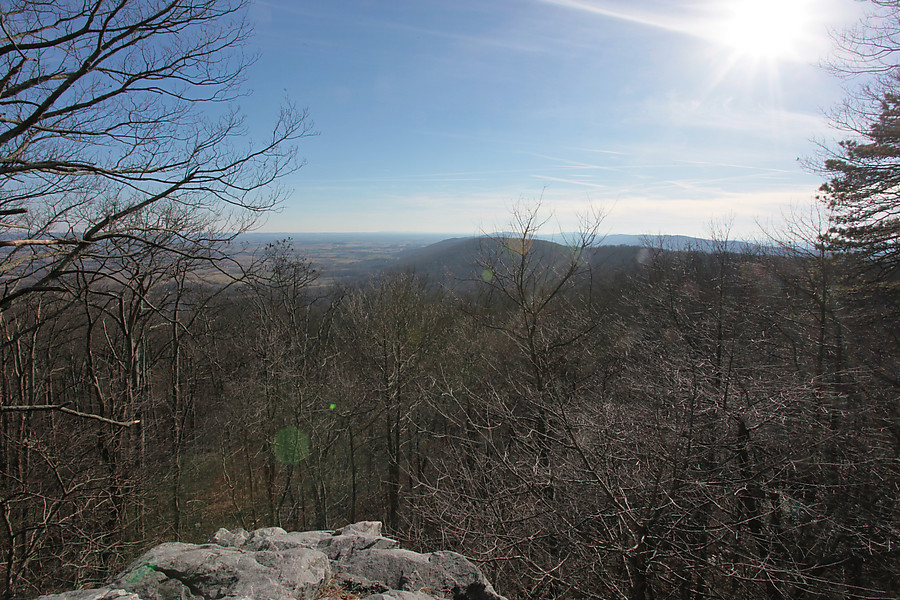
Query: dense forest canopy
[696,423]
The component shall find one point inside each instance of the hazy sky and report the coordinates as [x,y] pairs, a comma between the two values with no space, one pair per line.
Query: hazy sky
[439,116]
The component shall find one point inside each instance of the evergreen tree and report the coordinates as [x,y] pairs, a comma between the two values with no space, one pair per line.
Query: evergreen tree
[864,193]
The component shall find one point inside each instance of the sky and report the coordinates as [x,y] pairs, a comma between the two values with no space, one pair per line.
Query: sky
[444,116]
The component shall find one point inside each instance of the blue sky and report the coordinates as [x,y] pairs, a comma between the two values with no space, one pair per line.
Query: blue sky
[441,116]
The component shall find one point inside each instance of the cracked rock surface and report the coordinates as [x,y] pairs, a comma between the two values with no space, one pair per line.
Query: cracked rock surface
[355,562]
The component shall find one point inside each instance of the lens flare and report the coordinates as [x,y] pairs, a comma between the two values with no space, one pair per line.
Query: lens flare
[291,446]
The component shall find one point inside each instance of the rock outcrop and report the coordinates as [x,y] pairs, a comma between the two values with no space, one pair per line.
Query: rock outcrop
[353,563]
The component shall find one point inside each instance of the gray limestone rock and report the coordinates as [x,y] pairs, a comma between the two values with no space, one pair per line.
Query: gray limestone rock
[343,546]
[442,574]
[272,564]
[283,541]
[103,593]
[363,528]
[177,571]
[398,595]
[229,539]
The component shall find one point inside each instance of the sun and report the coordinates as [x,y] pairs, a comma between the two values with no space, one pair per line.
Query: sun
[765,29]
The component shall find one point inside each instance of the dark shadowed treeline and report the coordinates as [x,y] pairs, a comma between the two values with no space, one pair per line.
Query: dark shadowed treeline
[697,424]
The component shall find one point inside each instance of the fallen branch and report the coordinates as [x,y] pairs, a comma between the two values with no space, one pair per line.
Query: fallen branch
[69,411]
[33,242]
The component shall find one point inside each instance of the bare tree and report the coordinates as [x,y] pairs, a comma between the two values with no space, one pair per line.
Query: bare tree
[124,163]
[392,333]
[506,487]
[113,106]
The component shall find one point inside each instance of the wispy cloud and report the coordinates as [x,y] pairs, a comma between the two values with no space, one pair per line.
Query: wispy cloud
[734,114]
[688,214]
[708,20]
[626,12]
[757,168]
[467,40]
[589,184]
[600,151]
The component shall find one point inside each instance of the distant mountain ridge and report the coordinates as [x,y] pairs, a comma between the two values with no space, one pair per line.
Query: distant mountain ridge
[410,240]
[460,260]
[665,241]
[347,257]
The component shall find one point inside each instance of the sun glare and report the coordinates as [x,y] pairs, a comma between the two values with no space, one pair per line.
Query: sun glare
[765,29]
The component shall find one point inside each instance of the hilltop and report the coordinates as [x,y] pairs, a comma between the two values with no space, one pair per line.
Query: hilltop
[348,257]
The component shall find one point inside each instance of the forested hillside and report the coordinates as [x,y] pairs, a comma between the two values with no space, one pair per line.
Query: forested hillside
[699,424]
[640,423]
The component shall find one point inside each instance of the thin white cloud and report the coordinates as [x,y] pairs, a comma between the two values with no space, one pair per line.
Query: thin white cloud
[601,151]
[704,163]
[468,40]
[565,162]
[724,114]
[632,15]
[572,181]
[642,213]
[711,20]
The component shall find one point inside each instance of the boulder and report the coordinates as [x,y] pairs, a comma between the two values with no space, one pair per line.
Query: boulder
[272,564]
